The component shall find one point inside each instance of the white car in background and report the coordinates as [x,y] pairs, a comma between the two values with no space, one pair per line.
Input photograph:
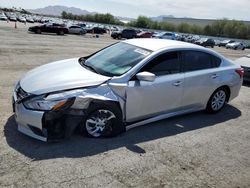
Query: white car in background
[21,19]
[3,17]
[30,19]
[75,29]
[236,46]
[166,35]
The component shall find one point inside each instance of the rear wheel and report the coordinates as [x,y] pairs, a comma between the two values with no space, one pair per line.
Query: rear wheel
[103,121]
[217,101]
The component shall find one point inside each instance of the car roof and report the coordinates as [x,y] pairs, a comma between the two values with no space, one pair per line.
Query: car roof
[158,44]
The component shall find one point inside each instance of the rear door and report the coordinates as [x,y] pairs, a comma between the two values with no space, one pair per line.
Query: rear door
[202,77]
[147,99]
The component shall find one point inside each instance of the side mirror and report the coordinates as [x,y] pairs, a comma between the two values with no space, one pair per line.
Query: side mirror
[145,76]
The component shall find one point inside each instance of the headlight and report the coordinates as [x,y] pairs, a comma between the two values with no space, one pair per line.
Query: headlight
[52,102]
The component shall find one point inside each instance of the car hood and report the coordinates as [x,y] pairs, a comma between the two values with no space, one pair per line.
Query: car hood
[60,75]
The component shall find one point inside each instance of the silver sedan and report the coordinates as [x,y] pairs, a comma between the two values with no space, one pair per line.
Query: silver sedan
[122,86]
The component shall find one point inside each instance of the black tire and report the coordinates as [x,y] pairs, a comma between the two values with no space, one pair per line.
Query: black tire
[119,37]
[61,32]
[112,127]
[243,48]
[38,31]
[210,105]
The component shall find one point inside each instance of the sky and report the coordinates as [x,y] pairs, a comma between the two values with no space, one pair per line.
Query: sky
[211,9]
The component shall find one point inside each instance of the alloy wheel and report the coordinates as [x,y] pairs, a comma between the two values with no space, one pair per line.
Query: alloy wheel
[218,100]
[99,123]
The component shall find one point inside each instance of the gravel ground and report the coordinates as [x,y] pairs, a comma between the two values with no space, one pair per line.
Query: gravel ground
[195,150]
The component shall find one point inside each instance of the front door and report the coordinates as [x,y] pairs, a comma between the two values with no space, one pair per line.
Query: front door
[147,99]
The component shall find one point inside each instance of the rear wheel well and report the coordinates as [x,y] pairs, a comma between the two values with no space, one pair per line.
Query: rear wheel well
[227,88]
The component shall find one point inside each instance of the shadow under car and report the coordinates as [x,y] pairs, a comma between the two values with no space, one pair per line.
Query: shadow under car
[78,146]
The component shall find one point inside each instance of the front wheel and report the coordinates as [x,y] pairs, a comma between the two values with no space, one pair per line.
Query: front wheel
[217,101]
[103,121]
[38,31]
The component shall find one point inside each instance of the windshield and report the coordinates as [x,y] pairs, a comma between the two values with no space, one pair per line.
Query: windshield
[116,59]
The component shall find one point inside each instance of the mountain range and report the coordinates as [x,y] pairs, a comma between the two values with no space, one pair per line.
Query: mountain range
[58,9]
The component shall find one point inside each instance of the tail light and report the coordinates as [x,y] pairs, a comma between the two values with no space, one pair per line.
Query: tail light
[240,72]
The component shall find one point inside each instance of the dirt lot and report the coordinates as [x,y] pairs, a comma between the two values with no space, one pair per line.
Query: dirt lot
[196,150]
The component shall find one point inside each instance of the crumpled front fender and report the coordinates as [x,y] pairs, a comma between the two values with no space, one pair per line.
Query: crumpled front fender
[101,93]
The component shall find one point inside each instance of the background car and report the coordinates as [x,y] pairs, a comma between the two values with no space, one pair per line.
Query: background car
[166,35]
[13,18]
[236,46]
[244,62]
[225,42]
[144,34]
[205,42]
[59,29]
[21,19]
[3,17]
[29,19]
[125,33]
[82,25]
[96,30]
[75,29]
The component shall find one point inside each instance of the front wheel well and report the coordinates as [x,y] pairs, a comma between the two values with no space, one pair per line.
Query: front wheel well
[114,104]
[116,127]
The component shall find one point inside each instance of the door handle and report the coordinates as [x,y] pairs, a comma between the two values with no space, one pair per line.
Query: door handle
[214,76]
[178,83]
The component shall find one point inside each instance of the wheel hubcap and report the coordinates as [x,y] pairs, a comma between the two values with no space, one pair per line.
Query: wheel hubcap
[99,122]
[218,100]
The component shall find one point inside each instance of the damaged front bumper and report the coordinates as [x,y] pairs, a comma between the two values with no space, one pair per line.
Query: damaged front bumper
[58,124]
[49,125]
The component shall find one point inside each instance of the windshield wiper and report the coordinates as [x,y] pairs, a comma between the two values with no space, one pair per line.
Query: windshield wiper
[82,62]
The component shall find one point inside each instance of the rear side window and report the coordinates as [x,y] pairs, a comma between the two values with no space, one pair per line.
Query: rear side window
[216,61]
[196,60]
[167,63]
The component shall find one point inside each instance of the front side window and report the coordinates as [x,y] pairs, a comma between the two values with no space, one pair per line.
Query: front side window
[116,59]
[196,60]
[164,64]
